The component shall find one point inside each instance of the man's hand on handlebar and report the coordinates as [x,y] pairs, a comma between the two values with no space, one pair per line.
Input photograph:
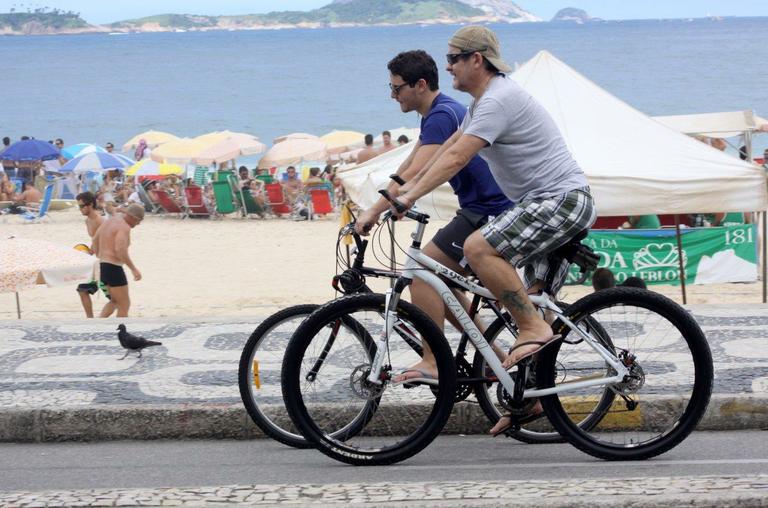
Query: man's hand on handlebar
[406,205]
[365,221]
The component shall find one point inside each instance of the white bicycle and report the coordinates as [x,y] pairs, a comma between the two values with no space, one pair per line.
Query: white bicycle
[629,379]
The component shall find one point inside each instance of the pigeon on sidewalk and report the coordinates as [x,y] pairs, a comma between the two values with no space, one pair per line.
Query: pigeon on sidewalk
[132,342]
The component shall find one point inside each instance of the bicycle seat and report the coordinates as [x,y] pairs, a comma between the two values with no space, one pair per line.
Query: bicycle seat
[577,253]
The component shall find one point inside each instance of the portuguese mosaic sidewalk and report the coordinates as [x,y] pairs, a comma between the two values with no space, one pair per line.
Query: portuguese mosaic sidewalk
[64,380]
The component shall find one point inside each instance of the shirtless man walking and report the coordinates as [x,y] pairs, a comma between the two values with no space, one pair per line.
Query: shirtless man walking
[86,202]
[110,244]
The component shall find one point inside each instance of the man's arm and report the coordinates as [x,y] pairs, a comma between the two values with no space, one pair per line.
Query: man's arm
[447,162]
[122,242]
[440,151]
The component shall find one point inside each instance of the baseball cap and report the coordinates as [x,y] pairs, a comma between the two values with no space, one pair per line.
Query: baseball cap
[477,38]
[135,211]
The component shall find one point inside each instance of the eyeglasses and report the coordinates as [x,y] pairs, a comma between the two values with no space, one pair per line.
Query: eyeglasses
[83,206]
[452,58]
[395,89]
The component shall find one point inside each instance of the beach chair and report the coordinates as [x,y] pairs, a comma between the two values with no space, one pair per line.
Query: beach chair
[149,205]
[42,211]
[276,199]
[225,202]
[265,178]
[196,207]
[168,204]
[251,206]
[320,202]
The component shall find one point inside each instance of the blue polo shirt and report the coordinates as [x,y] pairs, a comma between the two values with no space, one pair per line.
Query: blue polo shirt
[473,185]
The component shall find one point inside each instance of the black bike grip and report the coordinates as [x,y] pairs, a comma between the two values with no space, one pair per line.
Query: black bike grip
[395,203]
[397,179]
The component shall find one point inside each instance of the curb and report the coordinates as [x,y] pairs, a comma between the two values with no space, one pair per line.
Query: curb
[230,421]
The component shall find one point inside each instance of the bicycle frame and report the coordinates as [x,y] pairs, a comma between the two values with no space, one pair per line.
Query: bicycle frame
[421,266]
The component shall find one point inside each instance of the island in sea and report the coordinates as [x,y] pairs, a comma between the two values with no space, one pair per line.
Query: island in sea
[574,15]
[339,13]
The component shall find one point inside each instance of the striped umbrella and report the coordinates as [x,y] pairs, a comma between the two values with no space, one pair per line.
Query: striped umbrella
[98,162]
[148,167]
[79,149]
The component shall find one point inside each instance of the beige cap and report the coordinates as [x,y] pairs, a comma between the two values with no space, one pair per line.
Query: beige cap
[135,211]
[477,38]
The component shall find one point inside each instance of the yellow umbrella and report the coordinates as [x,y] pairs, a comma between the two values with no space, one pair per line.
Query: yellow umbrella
[294,151]
[214,151]
[180,151]
[153,139]
[343,141]
[294,135]
[248,144]
[148,167]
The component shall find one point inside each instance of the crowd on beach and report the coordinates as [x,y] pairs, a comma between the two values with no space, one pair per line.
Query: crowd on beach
[260,192]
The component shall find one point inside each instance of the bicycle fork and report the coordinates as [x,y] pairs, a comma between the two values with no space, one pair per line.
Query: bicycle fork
[392,299]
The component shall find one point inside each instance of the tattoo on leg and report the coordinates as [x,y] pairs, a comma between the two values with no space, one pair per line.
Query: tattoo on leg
[514,301]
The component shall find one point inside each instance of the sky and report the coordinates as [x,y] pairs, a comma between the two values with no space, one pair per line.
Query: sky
[100,11]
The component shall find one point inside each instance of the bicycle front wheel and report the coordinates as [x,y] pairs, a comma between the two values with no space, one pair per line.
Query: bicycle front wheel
[662,399]
[323,383]
[259,374]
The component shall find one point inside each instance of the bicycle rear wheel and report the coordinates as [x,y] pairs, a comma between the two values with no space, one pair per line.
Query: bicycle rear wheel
[259,374]
[495,401]
[323,384]
[666,392]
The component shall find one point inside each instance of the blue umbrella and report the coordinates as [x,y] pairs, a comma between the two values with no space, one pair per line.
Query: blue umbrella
[79,149]
[97,161]
[30,150]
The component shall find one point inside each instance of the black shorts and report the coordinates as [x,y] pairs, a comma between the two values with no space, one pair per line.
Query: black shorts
[450,239]
[113,275]
[92,287]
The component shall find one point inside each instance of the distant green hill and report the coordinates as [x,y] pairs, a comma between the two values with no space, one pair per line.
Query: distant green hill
[41,20]
[184,21]
[348,12]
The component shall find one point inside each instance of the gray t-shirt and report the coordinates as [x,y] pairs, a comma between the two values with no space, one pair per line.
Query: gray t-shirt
[527,154]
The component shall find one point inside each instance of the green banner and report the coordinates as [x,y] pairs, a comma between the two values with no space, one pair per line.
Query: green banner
[710,255]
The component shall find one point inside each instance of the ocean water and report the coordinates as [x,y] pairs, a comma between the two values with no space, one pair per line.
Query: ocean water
[99,88]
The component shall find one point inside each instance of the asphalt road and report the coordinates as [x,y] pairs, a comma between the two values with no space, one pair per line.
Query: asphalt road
[144,464]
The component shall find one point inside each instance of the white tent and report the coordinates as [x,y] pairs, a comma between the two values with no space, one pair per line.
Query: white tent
[715,125]
[362,183]
[634,164]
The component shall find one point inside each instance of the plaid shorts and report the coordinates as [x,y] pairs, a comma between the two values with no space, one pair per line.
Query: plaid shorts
[526,233]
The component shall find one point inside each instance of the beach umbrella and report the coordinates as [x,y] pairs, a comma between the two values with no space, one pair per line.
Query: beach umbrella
[97,162]
[148,167]
[294,135]
[343,141]
[25,263]
[153,139]
[30,150]
[79,149]
[247,143]
[294,151]
[180,151]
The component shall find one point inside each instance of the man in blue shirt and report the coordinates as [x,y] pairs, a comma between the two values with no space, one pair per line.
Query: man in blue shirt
[414,85]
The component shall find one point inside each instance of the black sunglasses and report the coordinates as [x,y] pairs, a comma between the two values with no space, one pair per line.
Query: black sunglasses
[83,206]
[452,58]
[395,89]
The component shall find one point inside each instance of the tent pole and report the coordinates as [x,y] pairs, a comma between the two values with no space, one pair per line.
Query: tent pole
[18,306]
[764,242]
[680,257]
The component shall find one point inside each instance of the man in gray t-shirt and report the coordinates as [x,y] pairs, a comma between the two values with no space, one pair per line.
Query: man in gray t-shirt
[533,167]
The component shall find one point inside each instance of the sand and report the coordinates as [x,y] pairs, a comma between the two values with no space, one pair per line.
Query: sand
[240,267]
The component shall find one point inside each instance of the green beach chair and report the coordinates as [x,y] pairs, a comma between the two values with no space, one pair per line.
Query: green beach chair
[225,202]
